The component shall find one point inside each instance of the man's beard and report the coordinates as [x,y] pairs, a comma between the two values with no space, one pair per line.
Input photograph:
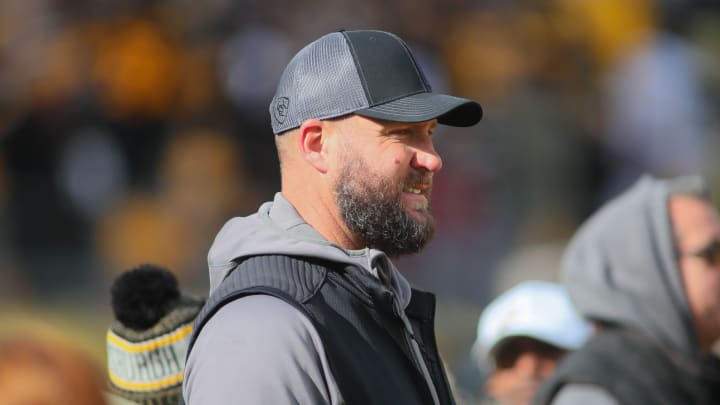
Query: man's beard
[372,209]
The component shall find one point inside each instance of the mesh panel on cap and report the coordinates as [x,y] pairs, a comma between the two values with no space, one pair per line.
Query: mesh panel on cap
[321,81]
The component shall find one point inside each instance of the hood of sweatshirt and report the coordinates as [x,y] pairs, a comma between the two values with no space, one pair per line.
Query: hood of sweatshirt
[621,267]
[277,228]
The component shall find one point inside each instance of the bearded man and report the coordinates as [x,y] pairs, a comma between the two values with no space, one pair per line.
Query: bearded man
[306,306]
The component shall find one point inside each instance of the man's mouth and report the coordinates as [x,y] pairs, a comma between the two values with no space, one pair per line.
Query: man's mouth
[418,188]
[418,196]
[412,190]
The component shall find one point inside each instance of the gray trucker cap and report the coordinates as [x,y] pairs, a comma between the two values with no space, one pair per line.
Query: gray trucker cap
[369,73]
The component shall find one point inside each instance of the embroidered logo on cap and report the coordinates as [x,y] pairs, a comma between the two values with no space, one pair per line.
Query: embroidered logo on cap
[281,109]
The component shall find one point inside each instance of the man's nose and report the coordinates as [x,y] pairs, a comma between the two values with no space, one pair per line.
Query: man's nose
[428,159]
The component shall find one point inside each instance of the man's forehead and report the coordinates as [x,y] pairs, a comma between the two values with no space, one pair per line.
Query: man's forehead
[693,218]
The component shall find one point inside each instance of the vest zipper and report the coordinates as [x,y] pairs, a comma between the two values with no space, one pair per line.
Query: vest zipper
[412,344]
[408,334]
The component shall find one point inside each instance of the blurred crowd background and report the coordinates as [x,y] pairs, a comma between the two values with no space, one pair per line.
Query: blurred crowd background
[131,130]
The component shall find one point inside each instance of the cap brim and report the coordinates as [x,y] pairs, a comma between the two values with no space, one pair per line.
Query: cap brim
[449,110]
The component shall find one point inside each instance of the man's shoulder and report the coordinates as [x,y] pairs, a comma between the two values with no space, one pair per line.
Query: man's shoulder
[285,276]
[261,348]
[586,394]
[255,327]
[269,287]
[265,313]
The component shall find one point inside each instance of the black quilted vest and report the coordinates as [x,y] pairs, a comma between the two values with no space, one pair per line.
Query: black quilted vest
[635,370]
[367,346]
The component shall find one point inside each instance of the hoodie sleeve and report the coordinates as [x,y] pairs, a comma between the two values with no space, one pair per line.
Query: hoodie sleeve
[259,350]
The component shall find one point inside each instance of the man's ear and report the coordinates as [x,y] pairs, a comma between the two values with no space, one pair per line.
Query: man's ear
[313,143]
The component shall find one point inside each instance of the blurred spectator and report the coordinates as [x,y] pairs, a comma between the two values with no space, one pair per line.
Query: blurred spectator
[147,342]
[654,112]
[92,171]
[609,28]
[522,335]
[250,63]
[658,118]
[139,229]
[504,65]
[137,68]
[43,372]
[201,181]
[646,270]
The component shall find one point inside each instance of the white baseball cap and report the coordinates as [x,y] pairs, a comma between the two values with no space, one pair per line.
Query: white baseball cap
[535,309]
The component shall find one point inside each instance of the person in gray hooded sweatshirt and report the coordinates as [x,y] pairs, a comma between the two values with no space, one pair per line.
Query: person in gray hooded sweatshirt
[305,306]
[646,270]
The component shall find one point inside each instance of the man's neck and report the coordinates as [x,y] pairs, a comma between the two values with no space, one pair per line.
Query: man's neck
[323,215]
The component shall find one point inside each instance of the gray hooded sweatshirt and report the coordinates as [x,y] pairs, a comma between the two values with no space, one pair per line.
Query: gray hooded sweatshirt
[621,267]
[259,349]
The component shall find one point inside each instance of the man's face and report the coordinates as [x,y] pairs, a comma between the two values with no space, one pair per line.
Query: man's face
[521,365]
[697,233]
[385,181]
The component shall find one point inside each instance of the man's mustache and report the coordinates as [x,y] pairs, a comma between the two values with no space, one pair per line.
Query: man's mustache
[424,180]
